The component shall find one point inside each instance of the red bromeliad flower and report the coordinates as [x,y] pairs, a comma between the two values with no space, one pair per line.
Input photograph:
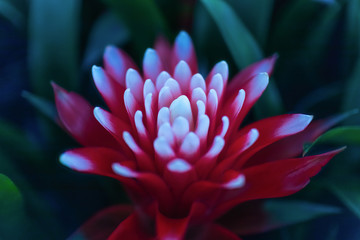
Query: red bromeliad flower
[172,138]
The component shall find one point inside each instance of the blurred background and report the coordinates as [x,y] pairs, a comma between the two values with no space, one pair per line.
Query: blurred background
[318,73]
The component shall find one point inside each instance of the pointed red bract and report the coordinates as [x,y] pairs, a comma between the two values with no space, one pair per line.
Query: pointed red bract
[265,65]
[111,91]
[170,228]
[275,179]
[172,138]
[102,224]
[293,145]
[76,115]
[130,228]
[271,130]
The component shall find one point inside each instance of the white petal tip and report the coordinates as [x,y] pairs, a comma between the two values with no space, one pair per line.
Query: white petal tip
[254,135]
[110,48]
[130,72]
[149,51]
[95,68]
[179,165]
[181,107]
[235,183]
[123,171]
[162,148]
[75,161]
[97,72]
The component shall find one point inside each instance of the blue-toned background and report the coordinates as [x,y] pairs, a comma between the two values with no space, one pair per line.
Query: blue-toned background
[318,73]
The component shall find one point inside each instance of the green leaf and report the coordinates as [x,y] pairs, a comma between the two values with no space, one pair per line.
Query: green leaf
[53,44]
[319,96]
[244,49]
[12,216]
[11,136]
[275,214]
[143,18]
[37,223]
[352,30]
[341,135]
[283,212]
[351,96]
[107,30]
[349,193]
[44,106]
[9,11]
[242,45]
[316,18]
[321,32]
[256,15]
[291,24]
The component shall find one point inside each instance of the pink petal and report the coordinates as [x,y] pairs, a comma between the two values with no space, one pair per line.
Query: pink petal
[149,88]
[163,48]
[209,193]
[163,116]
[271,130]
[223,69]
[182,75]
[190,147]
[184,50]
[197,81]
[217,83]
[174,87]
[170,228]
[111,91]
[200,191]
[197,94]
[153,183]
[117,62]
[180,128]
[243,143]
[206,163]
[265,65]
[96,160]
[102,224]
[234,110]
[115,126]
[131,104]
[99,161]
[275,179]
[144,162]
[131,228]
[166,132]
[150,116]
[202,129]
[253,89]
[165,97]
[164,150]
[179,174]
[135,83]
[181,107]
[161,79]
[76,115]
[143,134]
[152,65]
[292,146]
[212,105]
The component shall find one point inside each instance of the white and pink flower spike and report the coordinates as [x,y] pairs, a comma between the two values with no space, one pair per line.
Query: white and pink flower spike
[172,137]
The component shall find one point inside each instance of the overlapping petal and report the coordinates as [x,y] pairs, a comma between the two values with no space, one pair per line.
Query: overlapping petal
[76,115]
[172,138]
[103,223]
